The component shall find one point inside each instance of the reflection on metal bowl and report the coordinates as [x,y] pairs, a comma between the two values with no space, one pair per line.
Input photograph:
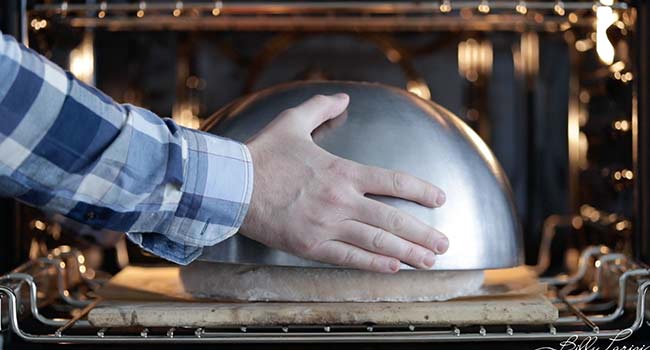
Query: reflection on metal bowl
[394,129]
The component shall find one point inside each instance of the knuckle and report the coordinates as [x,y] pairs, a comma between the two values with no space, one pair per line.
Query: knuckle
[320,98]
[379,240]
[399,182]
[375,263]
[410,253]
[350,258]
[429,193]
[395,220]
[316,219]
[340,168]
[306,245]
[430,239]
[334,196]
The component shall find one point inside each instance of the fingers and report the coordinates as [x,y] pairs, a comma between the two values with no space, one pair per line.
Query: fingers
[328,126]
[381,181]
[376,240]
[343,254]
[315,111]
[375,213]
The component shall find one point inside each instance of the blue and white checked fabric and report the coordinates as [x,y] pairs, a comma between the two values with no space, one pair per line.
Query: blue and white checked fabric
[67,147]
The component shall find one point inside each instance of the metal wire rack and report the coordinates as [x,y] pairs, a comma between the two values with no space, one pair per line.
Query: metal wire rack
[584,313]
[480,15]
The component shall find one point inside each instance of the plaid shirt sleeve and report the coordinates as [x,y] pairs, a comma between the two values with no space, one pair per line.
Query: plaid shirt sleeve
[69,148]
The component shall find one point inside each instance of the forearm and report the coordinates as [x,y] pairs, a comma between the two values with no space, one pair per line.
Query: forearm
[66,147]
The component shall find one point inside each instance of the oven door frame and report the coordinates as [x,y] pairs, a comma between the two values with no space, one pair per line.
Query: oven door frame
[641,140]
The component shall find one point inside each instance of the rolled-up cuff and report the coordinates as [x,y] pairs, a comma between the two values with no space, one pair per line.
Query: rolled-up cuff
[160,246]
[214,198]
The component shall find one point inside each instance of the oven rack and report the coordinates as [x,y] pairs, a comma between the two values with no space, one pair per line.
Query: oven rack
[478,15]
[579,320]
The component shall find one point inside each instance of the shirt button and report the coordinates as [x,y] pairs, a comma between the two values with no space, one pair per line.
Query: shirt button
[90,215]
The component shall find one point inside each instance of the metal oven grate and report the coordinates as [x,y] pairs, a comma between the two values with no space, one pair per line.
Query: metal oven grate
[594,312]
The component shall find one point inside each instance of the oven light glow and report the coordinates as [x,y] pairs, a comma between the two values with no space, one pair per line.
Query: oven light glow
[573,18]
[583,150]
[141,7]
[583,117]
[605,17]
[34,249]
[419,88]
[445,6]
[626,77]
[38,24]
[475,59]
[55,231]
[82,60]
[103,6]
[617,67]
[577,222]
[622,225]
[612,217]
[393,55]
[628,174]
[526,59]
[484,7]
[184,114]
[521,7]
[216,11]
[559,8]
[179,9]
[622,125]
[584,45]
[39,225]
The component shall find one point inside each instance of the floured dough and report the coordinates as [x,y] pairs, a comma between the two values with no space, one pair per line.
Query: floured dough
[275,283]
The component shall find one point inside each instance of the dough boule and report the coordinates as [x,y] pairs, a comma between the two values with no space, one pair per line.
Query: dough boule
[275,283]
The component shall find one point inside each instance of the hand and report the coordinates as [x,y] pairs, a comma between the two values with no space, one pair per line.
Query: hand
[311,203]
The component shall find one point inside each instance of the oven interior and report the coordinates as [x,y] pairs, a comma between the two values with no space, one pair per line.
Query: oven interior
[558,89]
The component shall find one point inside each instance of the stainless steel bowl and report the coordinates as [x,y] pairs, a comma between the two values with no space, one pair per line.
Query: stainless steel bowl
[394,129]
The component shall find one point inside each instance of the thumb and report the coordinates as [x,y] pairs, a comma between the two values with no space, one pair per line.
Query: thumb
[317,110]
